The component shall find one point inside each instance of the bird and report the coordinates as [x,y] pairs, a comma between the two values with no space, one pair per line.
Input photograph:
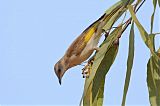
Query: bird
[81,48]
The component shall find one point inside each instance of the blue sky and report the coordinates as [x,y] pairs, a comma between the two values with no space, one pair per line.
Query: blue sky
[34,35]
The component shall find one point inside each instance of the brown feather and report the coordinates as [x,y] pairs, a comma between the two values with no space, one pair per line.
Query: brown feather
[78,45]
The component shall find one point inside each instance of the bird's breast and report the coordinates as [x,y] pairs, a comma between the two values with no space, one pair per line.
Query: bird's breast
[85,53]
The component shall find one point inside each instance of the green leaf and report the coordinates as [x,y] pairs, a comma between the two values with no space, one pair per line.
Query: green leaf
[144,34]
[129,63]
[152,17]
[153,66]
[112,8]
[159,2]
[125,1]
[105,47]
[158,51]
[114,18]
[154,3]
[87,100]
[95,91]
[111,15]
[98,101]
[153,81]
[99,79]
[114,13]
[152,36]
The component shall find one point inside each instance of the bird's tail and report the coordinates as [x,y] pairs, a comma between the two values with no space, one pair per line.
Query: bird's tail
[94,24]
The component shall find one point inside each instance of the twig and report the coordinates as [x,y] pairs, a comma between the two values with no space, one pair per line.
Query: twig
[140,5]
[124,16]
[156,33]
[128,22]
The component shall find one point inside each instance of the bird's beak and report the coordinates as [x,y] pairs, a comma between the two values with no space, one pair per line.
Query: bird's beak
[59,75]
[59,80]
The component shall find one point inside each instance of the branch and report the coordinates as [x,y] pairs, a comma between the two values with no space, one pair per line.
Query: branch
[128,22]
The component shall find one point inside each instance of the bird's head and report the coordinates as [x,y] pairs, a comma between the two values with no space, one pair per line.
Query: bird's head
[60,69]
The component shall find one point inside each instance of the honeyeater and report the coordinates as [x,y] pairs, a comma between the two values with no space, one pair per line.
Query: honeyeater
[81,48]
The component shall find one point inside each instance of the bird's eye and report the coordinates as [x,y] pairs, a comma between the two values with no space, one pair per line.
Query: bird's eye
[59,70]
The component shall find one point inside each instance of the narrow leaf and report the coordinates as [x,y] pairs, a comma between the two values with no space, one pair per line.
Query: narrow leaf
[95,91]
[153,81]
[144,34]
[125,1]
[152,21]
[129,63]
[114,13]
[99,58]
[99,79]
[114,18]
[158,51]
[113,7]
[111,16]
[154,3]
[152,17]
[152,36]
[159,2]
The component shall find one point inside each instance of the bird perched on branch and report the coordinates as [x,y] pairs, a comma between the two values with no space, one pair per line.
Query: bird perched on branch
[81,48]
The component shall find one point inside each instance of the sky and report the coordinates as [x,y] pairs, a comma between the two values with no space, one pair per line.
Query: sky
[34,35]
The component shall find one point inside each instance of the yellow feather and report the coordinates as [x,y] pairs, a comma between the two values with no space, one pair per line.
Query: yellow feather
[89,34]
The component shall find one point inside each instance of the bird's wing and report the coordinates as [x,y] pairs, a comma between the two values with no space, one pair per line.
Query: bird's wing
[80,43]
[77,46]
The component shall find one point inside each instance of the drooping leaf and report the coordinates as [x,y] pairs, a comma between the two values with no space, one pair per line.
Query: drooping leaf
[152,21]
[153,66]
[139,1]
[114,18]
[99,58]
[144,34]
[158,51]
[127,1]
[105,46]
[151,85]
[95,92]
[153,81]
[98,101]
[99,79]
[152,17]
[159,2]
[154,3]
[87,100]
[113,7]
[129,63]
[117,10]
[152,36]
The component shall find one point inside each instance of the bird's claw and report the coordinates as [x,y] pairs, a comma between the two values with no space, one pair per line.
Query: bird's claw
[86,70]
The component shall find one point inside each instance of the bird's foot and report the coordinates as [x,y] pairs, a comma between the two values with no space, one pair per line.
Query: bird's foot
[86,70]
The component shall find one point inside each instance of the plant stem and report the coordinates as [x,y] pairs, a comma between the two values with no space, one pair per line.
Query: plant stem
[128,22]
